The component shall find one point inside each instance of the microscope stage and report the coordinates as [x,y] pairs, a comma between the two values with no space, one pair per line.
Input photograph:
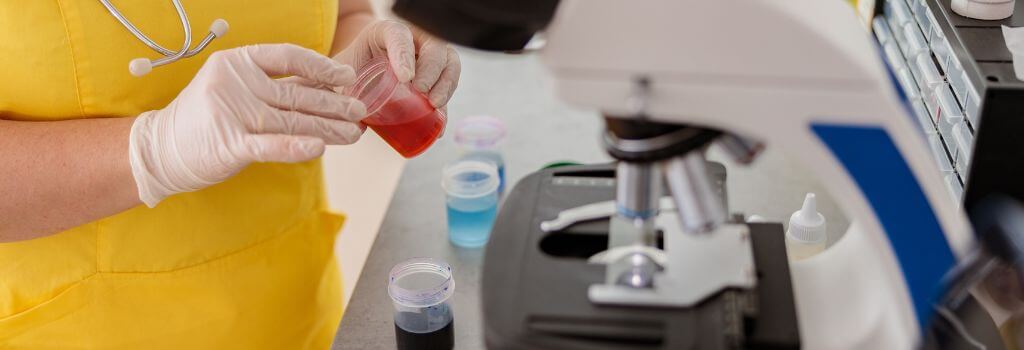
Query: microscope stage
[535,284]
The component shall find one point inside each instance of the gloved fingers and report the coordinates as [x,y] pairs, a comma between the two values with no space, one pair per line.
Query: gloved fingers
[323,103]
[396,39]
[302,82]
[288,59]
[311,84]
[282,148]
[444,111]
[431,60]
[331,131]
[445,86]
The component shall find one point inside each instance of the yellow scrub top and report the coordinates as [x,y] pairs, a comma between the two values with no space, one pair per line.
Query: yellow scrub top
[245,264]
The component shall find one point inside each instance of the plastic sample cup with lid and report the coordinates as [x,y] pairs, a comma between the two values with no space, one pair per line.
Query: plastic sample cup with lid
[396,111]
[471,189]
[480,138]
[421,290]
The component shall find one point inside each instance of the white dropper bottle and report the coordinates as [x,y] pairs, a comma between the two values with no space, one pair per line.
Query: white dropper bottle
[806,234]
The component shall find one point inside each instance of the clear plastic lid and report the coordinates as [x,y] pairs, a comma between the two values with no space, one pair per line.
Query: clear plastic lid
[807,225]
[470,178]
[421,282]
[375,84]
[480,132]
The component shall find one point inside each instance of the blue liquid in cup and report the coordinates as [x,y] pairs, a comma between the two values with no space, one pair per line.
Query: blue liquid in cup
[470,217]
[470,229]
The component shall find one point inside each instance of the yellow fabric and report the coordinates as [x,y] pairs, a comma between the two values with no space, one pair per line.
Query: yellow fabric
[244,264]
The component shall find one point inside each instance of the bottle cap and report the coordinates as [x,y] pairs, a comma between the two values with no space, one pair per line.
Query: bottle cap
[807,224]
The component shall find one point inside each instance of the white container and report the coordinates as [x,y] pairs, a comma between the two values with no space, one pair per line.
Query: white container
[989,10]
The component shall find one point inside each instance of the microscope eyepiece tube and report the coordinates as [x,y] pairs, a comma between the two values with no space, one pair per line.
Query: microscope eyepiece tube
[700,209]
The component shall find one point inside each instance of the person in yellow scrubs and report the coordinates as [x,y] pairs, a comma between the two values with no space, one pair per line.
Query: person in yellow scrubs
[183,209]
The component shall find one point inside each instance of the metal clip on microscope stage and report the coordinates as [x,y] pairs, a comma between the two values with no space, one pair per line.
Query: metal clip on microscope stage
[702,253]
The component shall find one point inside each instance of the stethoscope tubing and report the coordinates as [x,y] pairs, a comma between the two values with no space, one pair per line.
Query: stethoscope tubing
[168,55]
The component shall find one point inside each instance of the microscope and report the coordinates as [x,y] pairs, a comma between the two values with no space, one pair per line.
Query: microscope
[644,254]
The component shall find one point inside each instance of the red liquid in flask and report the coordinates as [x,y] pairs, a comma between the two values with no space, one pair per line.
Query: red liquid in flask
[410,125]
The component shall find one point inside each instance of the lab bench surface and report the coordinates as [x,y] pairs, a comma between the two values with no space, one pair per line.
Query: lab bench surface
[541,130]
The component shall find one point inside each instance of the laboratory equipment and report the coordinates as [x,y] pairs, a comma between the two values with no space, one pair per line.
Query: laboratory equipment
[396,111]
[972,73]
[983,9]
[142,66]
[420,290]
[536,277]
[471,189]
[806,234]
[974,136]
[671,79]
[481,138]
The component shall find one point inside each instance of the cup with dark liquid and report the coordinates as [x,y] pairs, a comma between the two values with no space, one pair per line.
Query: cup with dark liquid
[421,290]
[396,111]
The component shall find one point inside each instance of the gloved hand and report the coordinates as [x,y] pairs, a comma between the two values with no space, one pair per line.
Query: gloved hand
[431,65]
[233,113]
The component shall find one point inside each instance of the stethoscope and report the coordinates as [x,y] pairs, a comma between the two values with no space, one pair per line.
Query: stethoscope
[140,66]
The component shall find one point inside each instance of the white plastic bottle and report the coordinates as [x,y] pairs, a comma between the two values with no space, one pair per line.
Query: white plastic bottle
[805,236]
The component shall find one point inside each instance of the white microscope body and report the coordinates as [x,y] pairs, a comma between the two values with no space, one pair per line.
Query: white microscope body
[802,76]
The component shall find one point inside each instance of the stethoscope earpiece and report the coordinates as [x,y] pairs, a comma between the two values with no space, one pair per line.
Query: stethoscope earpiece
[219,27]
[141,66]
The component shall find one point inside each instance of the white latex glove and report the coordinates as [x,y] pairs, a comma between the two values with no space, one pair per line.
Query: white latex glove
[233,113]
[431,65]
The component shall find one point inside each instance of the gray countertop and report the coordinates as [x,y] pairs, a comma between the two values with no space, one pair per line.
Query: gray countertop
[541,130]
